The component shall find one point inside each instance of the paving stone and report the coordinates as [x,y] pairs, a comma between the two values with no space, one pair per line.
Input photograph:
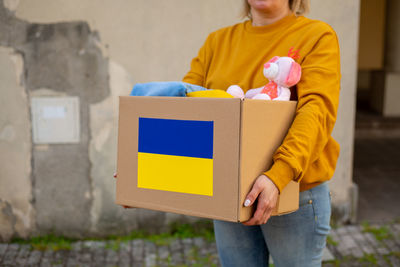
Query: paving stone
[187,241]
[327,255]
[85,255]
[176,258]
[396,227]
[382,250]
[72,262]
[98,255]
[396,232]
[191,256]
[209,249]
[199,242]
[347,244]
[139,264]
[378,245]
[150,259]
[357,253]
[48,254]
[125,246]
[137,251]
[149,248]
[3,248]
[188,250]
[394,260]
[380,261]
[60,257]
[46,263]
[333,231]
[150,254]
[391,245]
[123,263]
[23,254]
[352,229]
[191,252]
[341,230]
[176,245]
[10,254]
[111,256]
[213,246]
[334,237]
[73,256]
[363,243]
[34,257]
[163,264]
[163,252]
[77,246]
[124,257]
[371,239]
[214,259]
[93,244]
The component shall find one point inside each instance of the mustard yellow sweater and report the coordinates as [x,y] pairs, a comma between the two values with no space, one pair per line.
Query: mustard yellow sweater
[236,55]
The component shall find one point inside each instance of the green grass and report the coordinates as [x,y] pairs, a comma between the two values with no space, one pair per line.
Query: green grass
[199,229]
[395,220]
[48,242]
[346,260]
[330,241]
[391,254]
[202,229]
[369,259]
[380,233]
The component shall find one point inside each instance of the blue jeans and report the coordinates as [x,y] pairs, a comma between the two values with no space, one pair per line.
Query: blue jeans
[295,239]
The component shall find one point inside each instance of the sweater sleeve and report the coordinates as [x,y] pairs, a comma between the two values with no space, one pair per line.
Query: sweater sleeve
[199,65]
[318,98]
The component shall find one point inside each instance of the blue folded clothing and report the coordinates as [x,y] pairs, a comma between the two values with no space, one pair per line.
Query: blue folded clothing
[164,89]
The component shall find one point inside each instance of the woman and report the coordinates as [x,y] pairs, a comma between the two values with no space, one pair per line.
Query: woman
[308,154]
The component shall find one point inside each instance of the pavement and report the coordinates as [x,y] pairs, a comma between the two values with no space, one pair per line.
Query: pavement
[377,167]
[138,252]
[373,241]
[352,245]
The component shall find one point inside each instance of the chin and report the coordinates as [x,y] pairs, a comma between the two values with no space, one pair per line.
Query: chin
[264,5]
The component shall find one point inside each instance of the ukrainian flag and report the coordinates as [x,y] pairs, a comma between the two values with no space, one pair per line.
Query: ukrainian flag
[176,155]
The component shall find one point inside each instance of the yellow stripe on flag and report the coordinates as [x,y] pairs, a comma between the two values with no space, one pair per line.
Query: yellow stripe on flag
[175,173]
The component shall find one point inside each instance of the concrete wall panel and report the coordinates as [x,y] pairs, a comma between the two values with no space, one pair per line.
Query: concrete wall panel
[65,58]
[343,16]
[102,152]
[16,209]
[153,40]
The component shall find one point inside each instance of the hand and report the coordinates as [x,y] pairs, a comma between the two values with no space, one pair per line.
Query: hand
[267,193]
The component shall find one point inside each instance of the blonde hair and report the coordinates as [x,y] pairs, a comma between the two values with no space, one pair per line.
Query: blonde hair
[298,7]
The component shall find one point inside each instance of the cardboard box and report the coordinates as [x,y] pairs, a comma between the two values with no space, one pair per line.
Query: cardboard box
[199,156]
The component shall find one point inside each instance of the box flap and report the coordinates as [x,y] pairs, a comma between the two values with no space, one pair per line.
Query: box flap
[288,200]
[221,203]
[264,124]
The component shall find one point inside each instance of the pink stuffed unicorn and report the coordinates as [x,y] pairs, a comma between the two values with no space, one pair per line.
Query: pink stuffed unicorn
[282,72]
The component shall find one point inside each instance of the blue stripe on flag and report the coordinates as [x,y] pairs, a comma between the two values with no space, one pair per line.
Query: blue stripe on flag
[176,137]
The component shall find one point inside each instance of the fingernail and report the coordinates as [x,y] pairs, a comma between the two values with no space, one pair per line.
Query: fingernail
[115,174]
[247,203]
